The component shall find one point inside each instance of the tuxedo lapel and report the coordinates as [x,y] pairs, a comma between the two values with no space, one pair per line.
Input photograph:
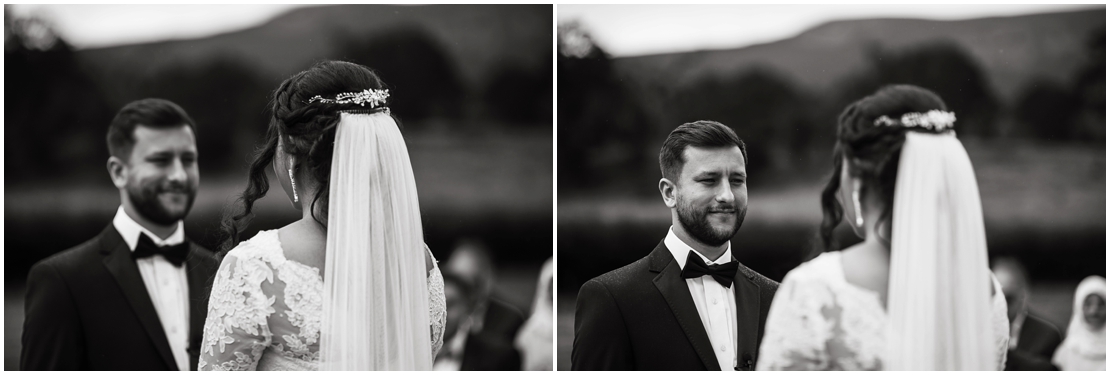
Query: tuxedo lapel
[747,313]
[119,263]
[677,294]
[197,274]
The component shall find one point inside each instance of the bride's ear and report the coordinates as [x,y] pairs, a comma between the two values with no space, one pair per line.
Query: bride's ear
[667,190]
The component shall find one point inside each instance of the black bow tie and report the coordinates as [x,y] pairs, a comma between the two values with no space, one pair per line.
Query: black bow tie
[723,273]
[173,253]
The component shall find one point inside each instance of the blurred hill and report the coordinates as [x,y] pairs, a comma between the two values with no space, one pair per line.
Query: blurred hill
[1014,51]
[481,39]
[453,69]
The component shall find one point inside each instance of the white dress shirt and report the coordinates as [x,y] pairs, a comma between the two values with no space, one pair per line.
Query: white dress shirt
[716,304]
[167,285]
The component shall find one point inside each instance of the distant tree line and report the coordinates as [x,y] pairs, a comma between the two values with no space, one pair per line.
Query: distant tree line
[59,112]
[610,128]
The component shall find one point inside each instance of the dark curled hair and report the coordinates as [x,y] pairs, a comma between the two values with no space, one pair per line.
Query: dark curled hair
[149,112]
[872,151]
[695,134]
[307,132]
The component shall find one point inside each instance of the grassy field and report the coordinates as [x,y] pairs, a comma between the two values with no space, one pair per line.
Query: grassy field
[1043,203]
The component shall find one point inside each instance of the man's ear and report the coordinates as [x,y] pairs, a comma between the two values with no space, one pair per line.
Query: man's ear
[667,190]
[117,170]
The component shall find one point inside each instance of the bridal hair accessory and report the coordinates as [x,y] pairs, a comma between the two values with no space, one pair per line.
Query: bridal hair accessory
[935,120]
[293,183]
[374,97]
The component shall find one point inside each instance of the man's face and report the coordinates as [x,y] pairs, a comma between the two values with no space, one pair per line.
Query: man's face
[1094,310]
[162,176]
[712,193]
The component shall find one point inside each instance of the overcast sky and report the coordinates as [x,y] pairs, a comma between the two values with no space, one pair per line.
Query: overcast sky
[91,26]
[631,30]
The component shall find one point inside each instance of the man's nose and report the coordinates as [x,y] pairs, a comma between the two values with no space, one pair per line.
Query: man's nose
[177,171]
[725,195]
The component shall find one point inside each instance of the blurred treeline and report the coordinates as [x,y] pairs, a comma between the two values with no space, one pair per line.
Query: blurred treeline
[471,84]
[1028,93]
[615,113]
[59,100]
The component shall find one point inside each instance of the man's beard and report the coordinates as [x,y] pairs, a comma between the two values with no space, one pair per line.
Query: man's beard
[144,198]
[696,222]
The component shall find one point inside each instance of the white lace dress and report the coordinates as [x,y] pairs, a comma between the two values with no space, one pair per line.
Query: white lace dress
[819,321]
[264,311]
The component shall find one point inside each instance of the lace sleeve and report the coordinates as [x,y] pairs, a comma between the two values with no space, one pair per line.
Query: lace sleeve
[1000,322]
[236,329]
[793,338]
[437,307]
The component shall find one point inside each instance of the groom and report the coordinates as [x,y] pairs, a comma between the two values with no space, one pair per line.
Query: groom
[135,296]
[689,305]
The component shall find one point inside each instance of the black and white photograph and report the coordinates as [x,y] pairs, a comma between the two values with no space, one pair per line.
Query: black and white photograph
[831,187]
[377,188]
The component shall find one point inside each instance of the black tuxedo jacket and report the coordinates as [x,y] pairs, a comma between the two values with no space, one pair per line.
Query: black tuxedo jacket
[492,348]
[1037,342]
[88,309]
[642,317]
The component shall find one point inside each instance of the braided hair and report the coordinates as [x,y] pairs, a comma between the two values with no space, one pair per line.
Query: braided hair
[872,152]
[307,132]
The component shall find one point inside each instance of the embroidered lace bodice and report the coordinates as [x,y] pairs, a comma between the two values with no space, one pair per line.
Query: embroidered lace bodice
[819,321]
[264,311]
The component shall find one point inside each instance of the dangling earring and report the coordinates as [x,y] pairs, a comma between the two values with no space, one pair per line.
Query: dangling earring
[293,182]
[859,212]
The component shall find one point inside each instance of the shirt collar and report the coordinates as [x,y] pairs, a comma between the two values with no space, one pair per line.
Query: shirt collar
[680,250]
[130,231]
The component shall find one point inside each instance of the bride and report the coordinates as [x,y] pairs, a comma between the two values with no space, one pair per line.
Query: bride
[349,286]
[917,293]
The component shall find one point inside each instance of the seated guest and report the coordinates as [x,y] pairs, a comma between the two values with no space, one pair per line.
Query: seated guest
[463,349]
[535,339]
[1084,349]
[1032,338]
[492,317]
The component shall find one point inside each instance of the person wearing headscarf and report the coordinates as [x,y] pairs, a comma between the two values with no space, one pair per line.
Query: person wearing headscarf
[1084,348]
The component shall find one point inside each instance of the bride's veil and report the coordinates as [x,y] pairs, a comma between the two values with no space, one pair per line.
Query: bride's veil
[939,304]
[375,314]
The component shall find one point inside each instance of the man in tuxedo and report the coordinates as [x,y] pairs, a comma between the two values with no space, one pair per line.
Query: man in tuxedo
[688,305]
[1033,340]
[135,296]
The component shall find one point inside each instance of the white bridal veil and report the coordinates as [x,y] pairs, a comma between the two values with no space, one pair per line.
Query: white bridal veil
[941,315]
[375,286]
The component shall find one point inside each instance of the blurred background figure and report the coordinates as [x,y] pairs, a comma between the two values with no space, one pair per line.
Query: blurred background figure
[1033,339]
[1084,348]
[482,338]
[1027,84]
[535,339]
[472,84]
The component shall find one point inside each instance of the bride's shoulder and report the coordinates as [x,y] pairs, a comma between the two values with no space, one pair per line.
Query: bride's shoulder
[820,269]
[263,247]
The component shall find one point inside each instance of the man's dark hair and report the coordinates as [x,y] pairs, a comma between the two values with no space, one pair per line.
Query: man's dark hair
[150,112]
[696,134]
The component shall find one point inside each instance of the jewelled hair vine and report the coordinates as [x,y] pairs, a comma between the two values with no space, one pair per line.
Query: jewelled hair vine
[935,120]
[374,97]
